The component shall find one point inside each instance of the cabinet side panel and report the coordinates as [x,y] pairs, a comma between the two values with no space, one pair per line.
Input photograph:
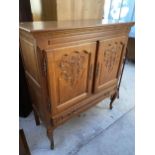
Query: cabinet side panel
[32,57]
[29,57]
[37,100]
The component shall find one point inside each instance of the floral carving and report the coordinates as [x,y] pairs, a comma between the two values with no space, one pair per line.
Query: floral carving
[110,56]
[71,67]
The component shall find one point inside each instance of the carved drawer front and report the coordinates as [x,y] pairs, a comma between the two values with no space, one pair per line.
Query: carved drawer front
[108,63]
[70,71]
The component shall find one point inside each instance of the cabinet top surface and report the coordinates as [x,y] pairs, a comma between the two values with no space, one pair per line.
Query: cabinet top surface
[61,25]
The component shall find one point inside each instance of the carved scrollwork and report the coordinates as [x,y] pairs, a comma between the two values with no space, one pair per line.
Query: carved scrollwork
[71,66]
[110,55]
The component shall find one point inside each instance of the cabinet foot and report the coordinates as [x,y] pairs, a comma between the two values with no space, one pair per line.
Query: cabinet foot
[113,99]
[118,94]
[50,136]
[36,117]
[52,144]
[111,106]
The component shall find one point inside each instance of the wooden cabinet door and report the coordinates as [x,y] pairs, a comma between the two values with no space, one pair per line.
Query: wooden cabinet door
[109,60]
[70,74]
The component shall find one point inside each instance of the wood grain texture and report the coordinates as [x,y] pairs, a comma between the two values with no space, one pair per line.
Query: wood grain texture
[44,10]
[78,10]
[67,9]
[71,24]
[49,10]
[71,72]
[29,57]
[108,60]
[77,66]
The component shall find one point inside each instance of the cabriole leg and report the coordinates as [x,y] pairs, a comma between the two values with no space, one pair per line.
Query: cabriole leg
[36,117]
[50,136]
[118,93]
[112,100]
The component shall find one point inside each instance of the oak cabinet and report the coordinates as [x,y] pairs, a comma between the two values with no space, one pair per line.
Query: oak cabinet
[71,66]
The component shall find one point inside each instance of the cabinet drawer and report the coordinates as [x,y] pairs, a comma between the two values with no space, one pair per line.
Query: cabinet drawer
[82,106]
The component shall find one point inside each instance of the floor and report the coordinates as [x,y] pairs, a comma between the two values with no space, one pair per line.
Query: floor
[98,131]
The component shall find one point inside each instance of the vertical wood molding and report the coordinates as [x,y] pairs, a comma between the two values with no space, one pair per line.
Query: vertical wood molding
[81,9]
[67,9]
[44,10]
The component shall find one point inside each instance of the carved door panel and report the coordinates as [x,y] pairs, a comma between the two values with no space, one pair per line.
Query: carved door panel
[70,73]
[109,60]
